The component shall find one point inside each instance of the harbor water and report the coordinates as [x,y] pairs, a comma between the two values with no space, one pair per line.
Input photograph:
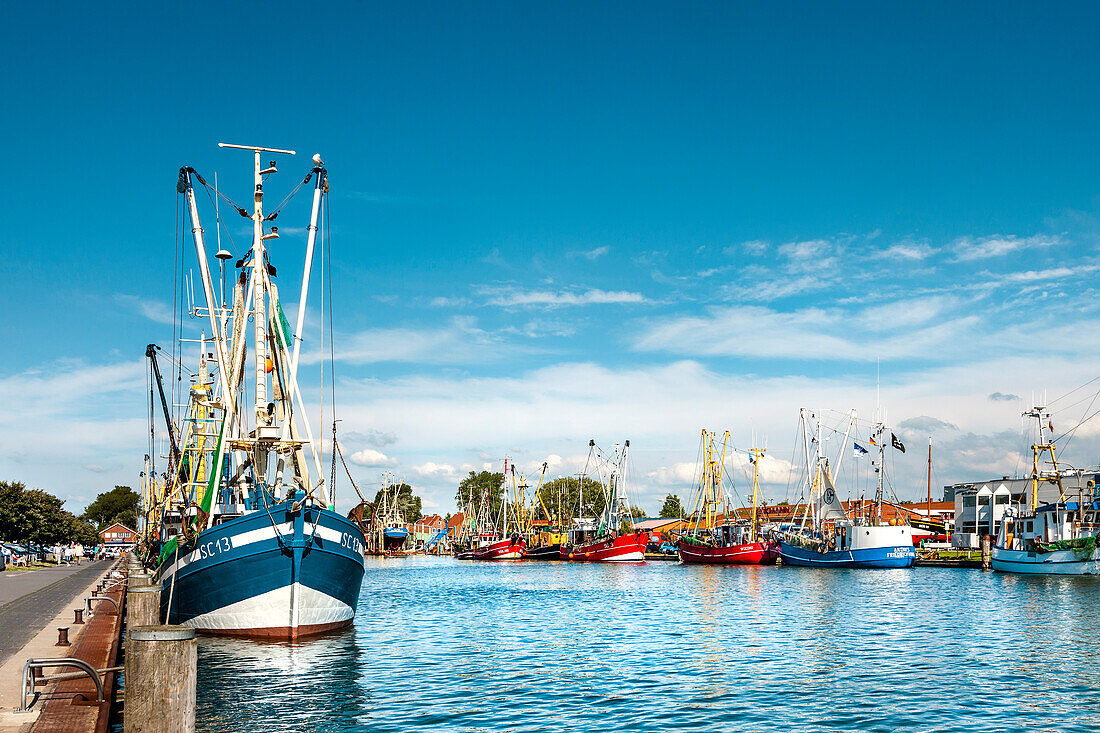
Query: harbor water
[442,645]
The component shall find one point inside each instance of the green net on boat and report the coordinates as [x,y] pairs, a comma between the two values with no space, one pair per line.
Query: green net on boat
[1082,547]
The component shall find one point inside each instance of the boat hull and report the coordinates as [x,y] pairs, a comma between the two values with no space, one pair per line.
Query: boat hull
[394,539]
[548,552]
[284,574]
[506,549]
[1059,562]
[752,553]
[898,556]
[624,548]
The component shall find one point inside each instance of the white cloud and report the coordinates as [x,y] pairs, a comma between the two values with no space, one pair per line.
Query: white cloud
[461,341]
[968,249]
[433,469]
[915,251]
[154,310]
[371,458]
[592,254]
[565,298]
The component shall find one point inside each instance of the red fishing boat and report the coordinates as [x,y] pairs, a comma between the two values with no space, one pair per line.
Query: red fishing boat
[509,548]
[731,552]
[723,540]
[492,540]
[623,548]
[611,537]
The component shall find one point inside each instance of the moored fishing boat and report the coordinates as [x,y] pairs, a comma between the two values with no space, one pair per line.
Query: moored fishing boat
[1059,538]
[611,537]
[495,538]
[243,538]
[723,539]
[827,538]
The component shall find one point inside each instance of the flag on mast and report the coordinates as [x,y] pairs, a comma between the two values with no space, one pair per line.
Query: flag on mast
[897,443]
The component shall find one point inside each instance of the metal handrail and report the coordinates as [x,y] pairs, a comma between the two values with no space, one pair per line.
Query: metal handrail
[58,662]
[89,599]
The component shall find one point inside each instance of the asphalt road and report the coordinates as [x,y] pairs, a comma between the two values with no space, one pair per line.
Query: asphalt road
[30,600]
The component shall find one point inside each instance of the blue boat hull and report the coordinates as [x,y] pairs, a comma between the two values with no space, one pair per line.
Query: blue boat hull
[282,573]
[871,557]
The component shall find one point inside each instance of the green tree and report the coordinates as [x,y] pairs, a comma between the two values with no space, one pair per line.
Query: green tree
[407,503]
[479,487]
[78,530]
[638,513]
[35,516]
[566,491]
[672,508]
[117,505]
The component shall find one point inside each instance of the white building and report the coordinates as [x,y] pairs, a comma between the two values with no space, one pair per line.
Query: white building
[980,507]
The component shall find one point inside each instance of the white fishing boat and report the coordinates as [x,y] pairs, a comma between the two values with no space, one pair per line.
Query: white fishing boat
[1058,538]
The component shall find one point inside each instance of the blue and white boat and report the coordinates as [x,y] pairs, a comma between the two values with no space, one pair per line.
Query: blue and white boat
[242,533]
[827,538]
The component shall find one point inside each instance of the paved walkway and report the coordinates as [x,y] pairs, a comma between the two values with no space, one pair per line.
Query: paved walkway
[30,600]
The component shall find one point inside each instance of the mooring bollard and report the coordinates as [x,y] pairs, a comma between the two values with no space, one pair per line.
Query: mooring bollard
[137,580]
[161,667]
[62,636]
[79,616]
[987,554]
[143,606]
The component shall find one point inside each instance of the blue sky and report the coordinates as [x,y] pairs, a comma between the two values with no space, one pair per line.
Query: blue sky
[562,221]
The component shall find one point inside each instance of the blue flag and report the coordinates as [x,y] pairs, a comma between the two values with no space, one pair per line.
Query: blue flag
[858,450]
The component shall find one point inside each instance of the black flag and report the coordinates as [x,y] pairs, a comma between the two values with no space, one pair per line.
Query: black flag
[897,443]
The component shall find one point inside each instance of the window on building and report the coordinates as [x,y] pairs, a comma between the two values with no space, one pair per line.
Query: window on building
[970,527]
[1000,499]
[968,501]
[983,499]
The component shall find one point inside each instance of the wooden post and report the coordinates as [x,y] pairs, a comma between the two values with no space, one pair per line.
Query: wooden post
[143,606]
[136,580]
[987,554]
[161,667]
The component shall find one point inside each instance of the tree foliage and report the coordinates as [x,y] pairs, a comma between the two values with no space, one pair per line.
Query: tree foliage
[408,503]
[637,512]
[672,508]
[478,487]
[567,491]
[117,505]
[35,516]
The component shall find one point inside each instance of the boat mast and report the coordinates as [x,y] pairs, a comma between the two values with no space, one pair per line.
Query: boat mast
[757,454]
[880,470]
[929,478]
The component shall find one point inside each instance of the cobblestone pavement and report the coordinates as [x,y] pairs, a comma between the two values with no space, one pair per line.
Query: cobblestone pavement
[29,600]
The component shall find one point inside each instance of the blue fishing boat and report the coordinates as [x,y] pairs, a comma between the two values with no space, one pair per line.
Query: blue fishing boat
[827,537]
[394,537]
[242,532]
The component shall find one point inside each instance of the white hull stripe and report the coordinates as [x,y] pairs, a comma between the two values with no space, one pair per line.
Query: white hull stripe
[253,536]
[275,609]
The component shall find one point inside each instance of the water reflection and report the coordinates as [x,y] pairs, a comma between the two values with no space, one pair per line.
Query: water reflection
[441,645]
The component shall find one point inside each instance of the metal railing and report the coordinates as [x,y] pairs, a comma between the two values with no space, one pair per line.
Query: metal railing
[89,599]
[86,670]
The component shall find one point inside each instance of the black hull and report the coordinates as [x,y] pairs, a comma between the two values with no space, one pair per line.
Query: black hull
[550,552]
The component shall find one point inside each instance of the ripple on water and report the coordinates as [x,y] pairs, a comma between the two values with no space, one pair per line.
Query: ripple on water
[440,645]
